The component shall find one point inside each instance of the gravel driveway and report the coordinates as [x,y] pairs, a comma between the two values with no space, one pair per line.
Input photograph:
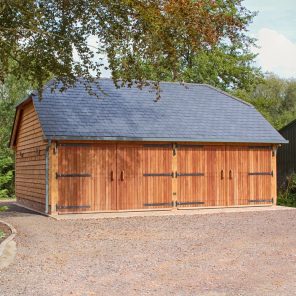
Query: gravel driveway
[251,253]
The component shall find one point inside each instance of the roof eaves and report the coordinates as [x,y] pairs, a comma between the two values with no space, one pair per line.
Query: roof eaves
[218,140]
[16,119]
[24,101]
[40,121]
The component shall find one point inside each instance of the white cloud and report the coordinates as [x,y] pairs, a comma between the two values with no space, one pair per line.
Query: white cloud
[276,53]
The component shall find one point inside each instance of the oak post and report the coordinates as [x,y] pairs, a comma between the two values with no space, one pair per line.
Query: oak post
[174,179]
[274,178]
[53,182]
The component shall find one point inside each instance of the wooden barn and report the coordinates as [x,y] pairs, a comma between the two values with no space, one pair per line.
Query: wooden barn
[195,147]
[287,154]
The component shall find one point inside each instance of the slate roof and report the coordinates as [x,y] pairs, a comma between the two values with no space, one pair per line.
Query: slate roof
[190,112]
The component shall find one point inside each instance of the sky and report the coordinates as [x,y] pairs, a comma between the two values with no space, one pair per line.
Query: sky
[274,27]
[275,30]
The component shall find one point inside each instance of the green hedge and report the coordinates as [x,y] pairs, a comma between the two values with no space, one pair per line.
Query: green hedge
[287,196]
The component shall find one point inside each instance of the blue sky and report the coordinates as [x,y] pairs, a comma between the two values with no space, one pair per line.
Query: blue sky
[275,29]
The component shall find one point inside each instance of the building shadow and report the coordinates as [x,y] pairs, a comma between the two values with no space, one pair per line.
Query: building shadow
[14,210]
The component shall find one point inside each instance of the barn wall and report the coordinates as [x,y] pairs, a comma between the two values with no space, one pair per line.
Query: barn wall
[286,156]
[30,160]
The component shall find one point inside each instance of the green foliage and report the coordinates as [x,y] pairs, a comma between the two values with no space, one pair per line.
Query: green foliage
[287,196]
[275,98]
[6,176]
[10,93]
[169,36]
[2,234]
[226,67]
[3,208]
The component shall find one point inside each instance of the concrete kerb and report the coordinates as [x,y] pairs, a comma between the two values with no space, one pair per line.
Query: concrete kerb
[7,244]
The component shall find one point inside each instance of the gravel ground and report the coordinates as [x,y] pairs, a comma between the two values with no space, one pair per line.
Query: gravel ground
[251,253]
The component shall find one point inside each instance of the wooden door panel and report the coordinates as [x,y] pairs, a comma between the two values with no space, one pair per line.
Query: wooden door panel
[85,178]
[237,181]
[208,188]
[260,175]
[104,180]
[215,176]
[158,177]
[248,175]
[144,178]
[128,177]
[74,179]
[191,176]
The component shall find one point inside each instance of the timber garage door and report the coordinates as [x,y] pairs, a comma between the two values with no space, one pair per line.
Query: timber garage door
[107,177]
[201,176]
[114,177]
[191,180]
[249,175]
[86,177]
[144,174]
[260,175]
[223,175]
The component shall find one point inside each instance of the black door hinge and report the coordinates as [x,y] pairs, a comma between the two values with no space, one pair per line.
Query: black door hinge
[72,207]
[261,174]
[181,203]
[72,175]
[170,204]
[261,200]
[189,174]
[158,175]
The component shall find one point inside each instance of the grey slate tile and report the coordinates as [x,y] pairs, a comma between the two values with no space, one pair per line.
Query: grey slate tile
[194,112]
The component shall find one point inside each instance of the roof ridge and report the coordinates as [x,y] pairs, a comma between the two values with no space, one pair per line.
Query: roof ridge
[174,82]
[229,95]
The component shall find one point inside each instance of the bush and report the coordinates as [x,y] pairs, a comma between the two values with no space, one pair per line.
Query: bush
[2,234]
[6,176]
[10,93]
[3,208]
[287,196]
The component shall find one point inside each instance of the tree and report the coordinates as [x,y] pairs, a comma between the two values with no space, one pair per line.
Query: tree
[10,93]
[167,37]
[227,67]
[275,98]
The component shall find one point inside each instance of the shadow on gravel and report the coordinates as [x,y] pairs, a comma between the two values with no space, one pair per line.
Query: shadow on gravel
[16,211]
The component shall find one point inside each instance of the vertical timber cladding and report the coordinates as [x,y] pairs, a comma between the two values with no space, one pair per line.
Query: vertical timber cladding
[106,177]
[237,167]
[86,177]
[74,178]
[261,175]
[224,175]
[144,176]
[215,176]
[99,177]
[250,175]
[201,176]
[190,175]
